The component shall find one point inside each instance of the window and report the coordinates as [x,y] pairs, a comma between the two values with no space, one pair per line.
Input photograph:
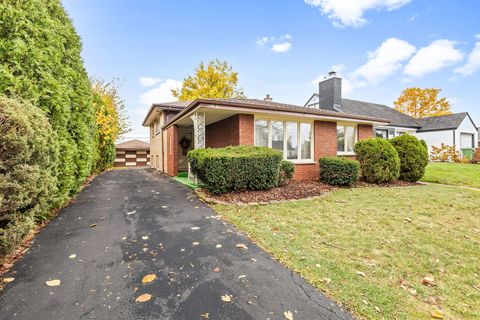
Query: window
[384,133]
[346,137]
[466,140]
[294,139]
[278,133]
[261,133]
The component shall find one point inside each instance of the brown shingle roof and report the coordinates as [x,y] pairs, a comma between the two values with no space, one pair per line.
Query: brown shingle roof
[133,145]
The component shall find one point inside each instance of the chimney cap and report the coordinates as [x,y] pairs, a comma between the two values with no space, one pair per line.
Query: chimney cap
[267,97]
[332,73]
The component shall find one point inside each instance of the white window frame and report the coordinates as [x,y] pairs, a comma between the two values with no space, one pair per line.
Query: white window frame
[285,120]
[355,133]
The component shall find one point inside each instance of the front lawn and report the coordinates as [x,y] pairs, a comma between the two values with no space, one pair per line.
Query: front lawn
[453,173]
[370,248]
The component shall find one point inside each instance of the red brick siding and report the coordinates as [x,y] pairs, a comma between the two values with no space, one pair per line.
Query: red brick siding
[222,133]
[246,126]
[365,131]
[172,154]
[233,131]
[325,144]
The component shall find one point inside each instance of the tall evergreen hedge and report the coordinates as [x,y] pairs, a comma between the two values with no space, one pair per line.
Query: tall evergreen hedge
[41,62]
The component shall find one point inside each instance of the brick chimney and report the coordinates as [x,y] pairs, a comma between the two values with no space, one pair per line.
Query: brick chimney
[330,92]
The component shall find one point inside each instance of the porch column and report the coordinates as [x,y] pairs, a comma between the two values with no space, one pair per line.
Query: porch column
[198,130]
[198,138]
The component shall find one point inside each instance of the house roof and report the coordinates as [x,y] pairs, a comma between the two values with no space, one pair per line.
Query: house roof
[446,122]
[257,104]
[133,145]
[173,106]
[399,119]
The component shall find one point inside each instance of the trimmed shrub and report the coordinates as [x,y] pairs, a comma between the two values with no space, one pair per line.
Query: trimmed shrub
[287,169]
[41,62]
[379,161]
[228,169]
[413,157]
[29,154]
[337,171]
[424,144]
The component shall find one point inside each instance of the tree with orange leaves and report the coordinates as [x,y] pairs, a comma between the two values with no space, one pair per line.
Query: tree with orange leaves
[421,103]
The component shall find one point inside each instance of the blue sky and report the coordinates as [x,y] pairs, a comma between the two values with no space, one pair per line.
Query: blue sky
[282,47]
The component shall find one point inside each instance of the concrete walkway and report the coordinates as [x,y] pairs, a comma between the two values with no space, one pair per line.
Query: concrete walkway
[130,223]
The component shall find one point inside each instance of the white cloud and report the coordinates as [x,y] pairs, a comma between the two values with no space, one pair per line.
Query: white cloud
[162,93]
[473,62]
[384,61]
[148,81]
[281,47]
[437,55]
[350,12]
[281,43]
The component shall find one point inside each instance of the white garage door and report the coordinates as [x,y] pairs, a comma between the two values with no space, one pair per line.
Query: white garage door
[466,140]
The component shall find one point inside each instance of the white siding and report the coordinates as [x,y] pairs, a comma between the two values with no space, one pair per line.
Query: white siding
[436,138]
[466,127]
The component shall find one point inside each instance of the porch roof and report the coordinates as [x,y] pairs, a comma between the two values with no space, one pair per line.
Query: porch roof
[255,105]
[173,106]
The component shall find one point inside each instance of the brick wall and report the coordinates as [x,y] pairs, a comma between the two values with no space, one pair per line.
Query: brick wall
[171,152]
[365,131]
[325,144]
[232,131]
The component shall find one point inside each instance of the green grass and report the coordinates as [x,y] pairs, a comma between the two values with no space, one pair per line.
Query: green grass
[182,177]
[459,174]
[394,235]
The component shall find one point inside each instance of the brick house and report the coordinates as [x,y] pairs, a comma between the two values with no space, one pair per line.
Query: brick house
[302,134]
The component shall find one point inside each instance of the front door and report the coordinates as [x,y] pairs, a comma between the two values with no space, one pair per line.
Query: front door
[185,144]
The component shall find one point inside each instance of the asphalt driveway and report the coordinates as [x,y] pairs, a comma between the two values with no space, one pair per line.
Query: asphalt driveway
[130,223]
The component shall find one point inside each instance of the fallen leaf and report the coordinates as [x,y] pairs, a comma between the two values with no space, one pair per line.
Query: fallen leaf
[72,256]
[145,238]
[428,280]
[288,315]
[218,246]
[377,308]
[226,298]
[241,246]
[8,280]
[205,315]
[195,228]
[131,212]
[326,280]
[93,225]
[197,207]
[242,276]
[408,219]
[164,207]
[144,297]
[149,278]
[216,269]
[53,283]
[195,243]
[360,273]
[437,314]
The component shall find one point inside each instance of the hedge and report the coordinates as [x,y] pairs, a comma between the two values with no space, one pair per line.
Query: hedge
[339,171]
[287,169]
[413,157]
[41,62]
[228,169]
[29,154]
[379,161]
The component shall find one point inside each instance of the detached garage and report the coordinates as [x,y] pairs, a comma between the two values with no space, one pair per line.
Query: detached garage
[132,153]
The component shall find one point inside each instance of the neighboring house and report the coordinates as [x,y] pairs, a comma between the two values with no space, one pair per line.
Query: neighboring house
[132,153]
[302,134]
[454,130]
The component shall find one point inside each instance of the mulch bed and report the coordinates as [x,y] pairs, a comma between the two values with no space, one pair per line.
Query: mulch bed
[293,190]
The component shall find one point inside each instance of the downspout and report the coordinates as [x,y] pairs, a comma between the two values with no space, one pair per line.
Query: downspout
[163,151]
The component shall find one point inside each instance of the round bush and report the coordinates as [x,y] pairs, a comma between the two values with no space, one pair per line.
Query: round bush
[338,171]
[379,161]
[287,169]
[28,164]
[413,157]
